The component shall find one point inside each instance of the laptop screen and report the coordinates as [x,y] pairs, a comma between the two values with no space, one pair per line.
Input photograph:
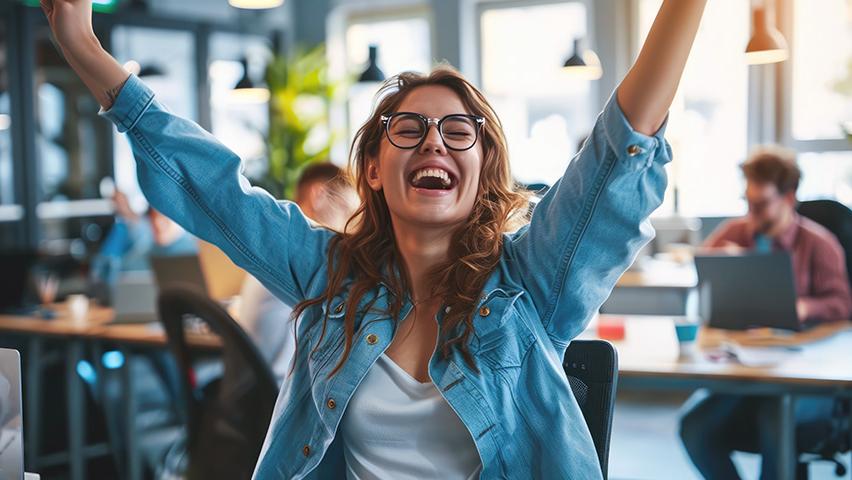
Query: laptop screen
[11,419]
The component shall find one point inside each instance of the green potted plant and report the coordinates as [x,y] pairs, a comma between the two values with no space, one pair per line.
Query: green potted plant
[299,133]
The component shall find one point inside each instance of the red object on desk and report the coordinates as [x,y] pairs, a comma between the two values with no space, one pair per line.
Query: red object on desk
[611,328]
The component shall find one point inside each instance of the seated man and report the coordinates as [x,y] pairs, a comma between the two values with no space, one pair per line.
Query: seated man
[325,197]
[714,425]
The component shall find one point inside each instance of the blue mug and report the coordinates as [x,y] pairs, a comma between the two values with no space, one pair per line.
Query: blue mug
[686,331]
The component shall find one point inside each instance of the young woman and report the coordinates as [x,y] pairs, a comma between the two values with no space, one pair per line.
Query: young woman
[431,333]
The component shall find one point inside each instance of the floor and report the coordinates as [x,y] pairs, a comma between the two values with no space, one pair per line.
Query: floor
[645,444]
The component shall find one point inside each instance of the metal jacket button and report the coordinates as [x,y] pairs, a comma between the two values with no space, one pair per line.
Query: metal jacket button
[331,403]
[484,311]
[372,339]
[634,150]
[306,450]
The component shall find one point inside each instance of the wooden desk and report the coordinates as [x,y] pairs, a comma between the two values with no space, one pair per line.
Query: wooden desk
[94,331]
[649,359]
[97,326]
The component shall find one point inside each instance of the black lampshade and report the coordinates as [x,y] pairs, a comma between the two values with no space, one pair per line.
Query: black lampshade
[151,70]
[246,91]
[245,81]
[575,60]
[583,63]
[372,73]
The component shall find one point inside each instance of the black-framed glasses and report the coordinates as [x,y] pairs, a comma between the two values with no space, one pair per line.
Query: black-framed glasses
[408,129]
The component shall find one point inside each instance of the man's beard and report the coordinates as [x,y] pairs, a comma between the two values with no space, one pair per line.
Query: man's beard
[764,226]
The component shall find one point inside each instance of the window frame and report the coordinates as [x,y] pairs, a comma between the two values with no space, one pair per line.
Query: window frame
[784,94]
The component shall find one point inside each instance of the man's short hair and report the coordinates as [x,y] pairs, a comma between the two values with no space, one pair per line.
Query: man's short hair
[325,172]
[775,165]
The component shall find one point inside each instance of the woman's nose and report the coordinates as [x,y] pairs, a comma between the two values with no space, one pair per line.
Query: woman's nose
[433,143]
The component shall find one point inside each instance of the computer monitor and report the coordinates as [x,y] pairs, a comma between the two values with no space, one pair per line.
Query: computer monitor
[181,270]
[135,298]
[748,290]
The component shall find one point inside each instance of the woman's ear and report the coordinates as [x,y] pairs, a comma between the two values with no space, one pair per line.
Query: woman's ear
[373,175]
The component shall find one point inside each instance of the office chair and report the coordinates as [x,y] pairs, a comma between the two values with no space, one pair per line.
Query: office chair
[836,218]
[592,370]
[226,419]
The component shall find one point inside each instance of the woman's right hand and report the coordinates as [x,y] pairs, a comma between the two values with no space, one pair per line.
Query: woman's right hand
[71,23]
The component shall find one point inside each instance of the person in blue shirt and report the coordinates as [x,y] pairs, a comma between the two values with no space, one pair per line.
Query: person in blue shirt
[434,297]
[131,241]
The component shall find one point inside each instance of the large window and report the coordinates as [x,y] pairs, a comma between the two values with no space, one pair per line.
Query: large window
[826,175]
[69,134]
[403,43]
[822,68]
[818,94]
[240,125]
[544,112]
[72,146]
[708,120]
[166,63]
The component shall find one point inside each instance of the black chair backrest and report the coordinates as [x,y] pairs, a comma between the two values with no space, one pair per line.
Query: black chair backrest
[226,422]
[836,218]
[592,370]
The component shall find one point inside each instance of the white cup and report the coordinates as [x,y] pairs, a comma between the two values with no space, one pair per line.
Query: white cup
[78,307]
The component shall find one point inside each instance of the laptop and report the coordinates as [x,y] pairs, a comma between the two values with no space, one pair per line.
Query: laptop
[135,298]
[16,294]
[747,291]
[181,270]
[11,416]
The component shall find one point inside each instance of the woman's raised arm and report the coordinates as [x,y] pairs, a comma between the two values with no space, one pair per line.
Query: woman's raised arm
[646,93]
[188,175]
[591,224]
[71,23]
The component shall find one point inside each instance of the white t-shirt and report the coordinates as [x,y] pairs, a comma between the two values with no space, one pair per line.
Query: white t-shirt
[398,428]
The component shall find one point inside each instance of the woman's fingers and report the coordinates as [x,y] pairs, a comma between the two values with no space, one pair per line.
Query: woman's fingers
[46,7]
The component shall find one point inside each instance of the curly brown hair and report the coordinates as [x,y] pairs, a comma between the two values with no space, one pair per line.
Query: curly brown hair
[366,252]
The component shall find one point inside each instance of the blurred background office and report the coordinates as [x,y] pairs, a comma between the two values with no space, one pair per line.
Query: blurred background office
[285,84]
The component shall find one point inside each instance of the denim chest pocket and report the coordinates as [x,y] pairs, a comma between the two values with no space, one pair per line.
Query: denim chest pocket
[501,336]
[332,339]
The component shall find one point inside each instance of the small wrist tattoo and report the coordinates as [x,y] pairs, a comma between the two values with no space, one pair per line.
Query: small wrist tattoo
[113,92]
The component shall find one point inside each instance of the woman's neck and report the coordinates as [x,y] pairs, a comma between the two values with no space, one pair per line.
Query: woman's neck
[422,249]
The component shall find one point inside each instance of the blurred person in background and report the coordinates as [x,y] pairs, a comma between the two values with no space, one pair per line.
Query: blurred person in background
[325,196]
[714,425]
[131,241]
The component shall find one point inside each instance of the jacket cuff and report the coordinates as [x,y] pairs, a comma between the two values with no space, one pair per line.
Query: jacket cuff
[629,144]
[133,100]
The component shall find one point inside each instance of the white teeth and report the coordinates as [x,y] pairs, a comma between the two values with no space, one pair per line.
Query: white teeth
[432,172]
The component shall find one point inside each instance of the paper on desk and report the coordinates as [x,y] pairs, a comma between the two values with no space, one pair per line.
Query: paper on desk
[760,356]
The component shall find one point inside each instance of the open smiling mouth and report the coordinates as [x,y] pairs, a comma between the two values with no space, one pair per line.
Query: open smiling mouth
[432,179]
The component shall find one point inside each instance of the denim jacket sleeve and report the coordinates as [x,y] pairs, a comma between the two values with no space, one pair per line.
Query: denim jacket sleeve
[590,225]
[193,179]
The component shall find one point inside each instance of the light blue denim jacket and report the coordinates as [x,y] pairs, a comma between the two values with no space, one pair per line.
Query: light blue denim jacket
[553,276]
